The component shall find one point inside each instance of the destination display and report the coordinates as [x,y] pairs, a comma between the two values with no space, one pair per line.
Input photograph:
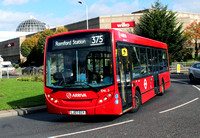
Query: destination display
[80,40]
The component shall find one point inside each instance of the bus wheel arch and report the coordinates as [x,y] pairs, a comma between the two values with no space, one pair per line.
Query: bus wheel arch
[138,100]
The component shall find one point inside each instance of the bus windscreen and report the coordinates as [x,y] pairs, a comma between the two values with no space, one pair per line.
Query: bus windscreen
[85,68]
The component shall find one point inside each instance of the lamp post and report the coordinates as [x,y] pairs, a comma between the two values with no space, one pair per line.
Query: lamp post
[1,60]
[80,2]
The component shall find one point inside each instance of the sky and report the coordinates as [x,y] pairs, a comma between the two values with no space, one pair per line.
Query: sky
[62,12]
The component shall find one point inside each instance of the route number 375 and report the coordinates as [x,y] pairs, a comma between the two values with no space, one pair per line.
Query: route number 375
[97,40]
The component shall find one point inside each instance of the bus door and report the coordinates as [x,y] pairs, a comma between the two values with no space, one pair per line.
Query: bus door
[124,76]
[155,71]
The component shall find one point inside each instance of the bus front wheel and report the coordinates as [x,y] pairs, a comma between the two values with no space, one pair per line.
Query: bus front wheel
[137,102]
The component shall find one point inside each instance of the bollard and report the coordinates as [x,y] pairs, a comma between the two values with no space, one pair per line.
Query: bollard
[8,73]
[178,68]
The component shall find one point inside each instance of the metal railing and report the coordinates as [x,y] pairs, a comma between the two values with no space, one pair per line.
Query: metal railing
[184,66]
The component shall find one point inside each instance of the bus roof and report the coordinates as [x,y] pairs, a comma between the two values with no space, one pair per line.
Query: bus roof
[124,37]
[135,39]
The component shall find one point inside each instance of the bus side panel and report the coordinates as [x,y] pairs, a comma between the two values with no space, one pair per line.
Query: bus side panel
[166,77]
[148,95]
[146,86]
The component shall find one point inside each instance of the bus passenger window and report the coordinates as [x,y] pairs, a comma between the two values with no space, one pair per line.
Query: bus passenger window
[165,60]
[155,60]
[149,55]
[143,60]
[135,62]
[161,63]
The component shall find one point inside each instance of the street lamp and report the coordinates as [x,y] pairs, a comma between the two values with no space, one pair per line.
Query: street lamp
[80,2]
[1,60]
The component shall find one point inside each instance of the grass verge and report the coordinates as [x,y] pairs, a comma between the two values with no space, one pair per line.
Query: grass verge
[19,94]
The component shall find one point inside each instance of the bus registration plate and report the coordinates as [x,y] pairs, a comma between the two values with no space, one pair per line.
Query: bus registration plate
[77,112]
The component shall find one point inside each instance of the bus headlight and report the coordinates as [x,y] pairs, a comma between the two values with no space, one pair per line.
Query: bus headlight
[52,99]
[100,101]
[104,98]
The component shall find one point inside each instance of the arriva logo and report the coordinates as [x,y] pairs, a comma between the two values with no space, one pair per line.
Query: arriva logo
[69,95]
[75,95]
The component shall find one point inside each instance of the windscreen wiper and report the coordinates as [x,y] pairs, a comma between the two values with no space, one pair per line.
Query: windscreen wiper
[93,88]
[54,90]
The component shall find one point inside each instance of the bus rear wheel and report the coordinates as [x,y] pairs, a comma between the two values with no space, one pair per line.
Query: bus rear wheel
[137,102]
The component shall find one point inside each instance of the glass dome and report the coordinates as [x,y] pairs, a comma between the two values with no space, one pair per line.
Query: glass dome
[31,25]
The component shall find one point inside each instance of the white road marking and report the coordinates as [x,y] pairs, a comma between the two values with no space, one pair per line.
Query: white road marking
[94,129]
[185,83]
[98,128]
[178,106]
[196,87]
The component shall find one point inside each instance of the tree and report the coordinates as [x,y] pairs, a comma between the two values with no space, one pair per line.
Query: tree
[33,47]
[193,35]
[41,45]
[61,30]
[28,47]
[159,24]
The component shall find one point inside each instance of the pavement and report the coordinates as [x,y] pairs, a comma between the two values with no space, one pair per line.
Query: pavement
[22,111]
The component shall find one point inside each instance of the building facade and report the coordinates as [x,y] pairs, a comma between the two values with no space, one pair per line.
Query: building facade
[10,49]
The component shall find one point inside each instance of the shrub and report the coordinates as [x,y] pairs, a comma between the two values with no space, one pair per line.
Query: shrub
[37,78]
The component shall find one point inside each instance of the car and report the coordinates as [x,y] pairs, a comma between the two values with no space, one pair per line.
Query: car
[7,68]
[32,70]
[194,72]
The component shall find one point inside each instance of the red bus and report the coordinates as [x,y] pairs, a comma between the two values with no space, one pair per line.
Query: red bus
[103,72]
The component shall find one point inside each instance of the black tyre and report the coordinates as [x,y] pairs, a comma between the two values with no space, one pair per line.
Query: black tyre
[191,77]
[137,102]
[162,88]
